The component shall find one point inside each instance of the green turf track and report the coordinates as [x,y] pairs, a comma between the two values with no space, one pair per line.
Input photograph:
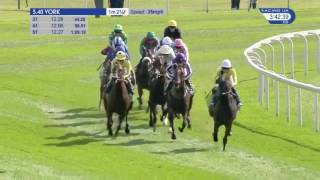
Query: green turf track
[51,127]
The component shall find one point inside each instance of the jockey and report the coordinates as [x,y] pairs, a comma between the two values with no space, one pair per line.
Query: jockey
[171,72]
[118,31]
[148,42]
[172,30]
[181,47]
[226,72]
[118,45]
[122,61]
[166,41]
[167,53]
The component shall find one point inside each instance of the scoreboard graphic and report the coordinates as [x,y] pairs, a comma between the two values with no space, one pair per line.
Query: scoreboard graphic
[74,21]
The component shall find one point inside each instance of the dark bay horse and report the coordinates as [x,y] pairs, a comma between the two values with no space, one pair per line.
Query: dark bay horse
[225,111]
[179,101]
[156,95]
[118,101]
[143,74]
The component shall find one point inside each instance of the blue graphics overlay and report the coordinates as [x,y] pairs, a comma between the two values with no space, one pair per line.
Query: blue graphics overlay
[278,15]
[68,11]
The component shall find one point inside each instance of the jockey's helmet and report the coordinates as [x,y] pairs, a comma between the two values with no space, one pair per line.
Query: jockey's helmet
[118,28]
[180,58]
[165,49]
[178,43]
[226,64]
[121,56]
[172,23]
[167,41]
[151,35]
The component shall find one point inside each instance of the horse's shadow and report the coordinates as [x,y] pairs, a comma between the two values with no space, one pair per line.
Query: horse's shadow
[275,136]
[136,142]
[74,124]
[76,142]
[76,134]
[182,151]
[76,113]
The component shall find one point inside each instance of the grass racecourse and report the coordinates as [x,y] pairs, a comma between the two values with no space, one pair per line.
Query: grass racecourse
[51,127]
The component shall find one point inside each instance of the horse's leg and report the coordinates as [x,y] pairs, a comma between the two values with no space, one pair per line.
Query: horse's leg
[184,123]
[189,109]
[127,130]
[150,114]
[225,138]
[109,124]
[171,119]
[164,118]
[154,119]
[121,117]
[140,93]
[215,131]
[101,94]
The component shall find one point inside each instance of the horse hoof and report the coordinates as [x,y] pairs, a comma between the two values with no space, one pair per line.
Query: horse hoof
[180,129]
[189,126]
[173,137]
[110,133]
[127,131]
[150,124]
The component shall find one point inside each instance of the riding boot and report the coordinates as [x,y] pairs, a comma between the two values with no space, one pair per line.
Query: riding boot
[130,88]
[190,86]
[237,97]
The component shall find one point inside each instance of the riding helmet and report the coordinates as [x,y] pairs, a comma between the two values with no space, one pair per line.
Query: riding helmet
[226,64]
[172,23]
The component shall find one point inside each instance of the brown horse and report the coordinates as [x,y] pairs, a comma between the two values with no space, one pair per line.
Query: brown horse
[225,110]
[118,101]
[143,74]
[156,96]
[179,101]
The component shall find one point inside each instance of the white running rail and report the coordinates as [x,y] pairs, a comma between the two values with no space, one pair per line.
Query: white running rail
[253,55]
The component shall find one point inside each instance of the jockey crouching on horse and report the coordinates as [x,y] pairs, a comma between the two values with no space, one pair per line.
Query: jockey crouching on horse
[181,47]
[166,52]
[124,64]
[167,41]
[226,72]
[148,43]
[118,32]
[180,60]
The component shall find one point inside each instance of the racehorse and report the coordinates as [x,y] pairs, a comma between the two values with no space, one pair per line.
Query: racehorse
[225,110]
[143,74]
[118,101]
[179,101]
[156,96]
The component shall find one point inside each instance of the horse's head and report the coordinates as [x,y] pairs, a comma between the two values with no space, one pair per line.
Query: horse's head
[158,66]
[150,53]
[179,81]
[225,87]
